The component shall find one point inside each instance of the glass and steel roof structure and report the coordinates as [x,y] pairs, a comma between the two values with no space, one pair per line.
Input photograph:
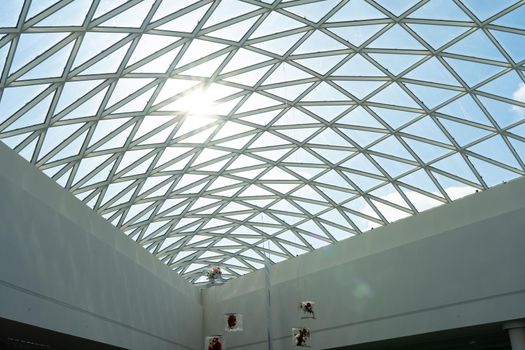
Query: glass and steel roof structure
[223,132]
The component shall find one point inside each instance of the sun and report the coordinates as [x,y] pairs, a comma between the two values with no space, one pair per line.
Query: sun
[197,103]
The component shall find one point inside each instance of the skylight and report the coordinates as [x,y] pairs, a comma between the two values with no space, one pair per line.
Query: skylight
[224,132]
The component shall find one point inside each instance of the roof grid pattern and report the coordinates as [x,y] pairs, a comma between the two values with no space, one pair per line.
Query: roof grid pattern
[224,132]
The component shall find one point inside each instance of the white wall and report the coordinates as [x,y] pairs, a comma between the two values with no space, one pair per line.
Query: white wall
[458,265]
[64,268]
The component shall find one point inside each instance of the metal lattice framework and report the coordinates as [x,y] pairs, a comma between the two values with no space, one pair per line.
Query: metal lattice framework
[218,132]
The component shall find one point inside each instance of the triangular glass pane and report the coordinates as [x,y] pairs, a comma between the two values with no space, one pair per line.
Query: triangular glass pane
[358,66]
[319,42]
[430,96]
[14,141]
[454,189]
[285,73]
[390,193]
[186,22]
[484,9]
[328,113]
[314,11]
[456,165]
[87,108]
[243,58]
[159,65]
[426,151]
[249,78]
[357,35]
[257,101]
[508,85]
[302,156]
[420,201]
[3,54]
[427,128]
[320,65]
[519,147]
[206,69]
[109,64]
[52,66]
[94,43]
[105,6]
[199,49]
[361,163]
[149,44]
[394,118]
[495,148]
[14,98]
[364,183]
[396,38]
[125,87]
[72,14]
[173,87]
[332,156]
[432,71]
[279,46]
[420,179]
[72,149]
[132,17]
[394,95]
[473,72]
[275,23]
[236,31]
[56,136]
[360,89]
[514,44]
[465,108]
[34,116]
[32,45]
[396,63]
[513,19]
[397,7]
[105,127]
[392,146]
[329,137]
[437,35]
[289,93]
[476,44]
[10,13]
[29,151]
[168,7]
[505,114]
[441,10]
[325,92]
[492,175]
[356,10]
[299,134]
[359,117]
[392,167]
[362,138]
[227,10]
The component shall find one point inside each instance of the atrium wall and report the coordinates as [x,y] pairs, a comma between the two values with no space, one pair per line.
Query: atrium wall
[457,265]
[64,268]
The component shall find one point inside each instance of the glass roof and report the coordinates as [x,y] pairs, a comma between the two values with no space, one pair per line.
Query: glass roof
[223,132]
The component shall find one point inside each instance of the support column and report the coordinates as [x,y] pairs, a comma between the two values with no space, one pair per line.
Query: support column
[516,331]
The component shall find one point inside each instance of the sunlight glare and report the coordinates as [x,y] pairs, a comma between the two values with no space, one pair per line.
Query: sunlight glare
[197,103]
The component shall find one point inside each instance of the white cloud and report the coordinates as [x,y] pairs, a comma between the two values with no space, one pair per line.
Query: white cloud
[457,192]
[421,202]
[519,95]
